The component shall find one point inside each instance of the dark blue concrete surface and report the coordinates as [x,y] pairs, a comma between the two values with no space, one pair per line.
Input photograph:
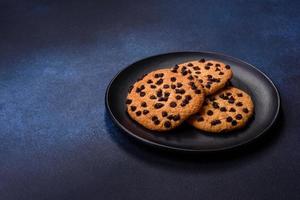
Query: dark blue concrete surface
[56,59]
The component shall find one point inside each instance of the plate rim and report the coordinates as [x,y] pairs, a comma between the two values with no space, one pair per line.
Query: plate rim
[167,147]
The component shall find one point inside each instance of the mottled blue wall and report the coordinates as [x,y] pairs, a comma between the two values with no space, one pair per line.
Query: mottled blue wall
[56,59]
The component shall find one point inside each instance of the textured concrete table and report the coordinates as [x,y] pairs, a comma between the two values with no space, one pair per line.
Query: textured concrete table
[56,59]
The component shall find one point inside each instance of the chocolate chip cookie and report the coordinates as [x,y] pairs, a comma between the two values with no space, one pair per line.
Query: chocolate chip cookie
[163,99]
[213,75]
[228,109]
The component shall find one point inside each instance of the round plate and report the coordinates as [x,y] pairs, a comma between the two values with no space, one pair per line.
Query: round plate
[186,138]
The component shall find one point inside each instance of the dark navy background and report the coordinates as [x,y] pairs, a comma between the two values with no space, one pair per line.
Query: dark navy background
[56,60]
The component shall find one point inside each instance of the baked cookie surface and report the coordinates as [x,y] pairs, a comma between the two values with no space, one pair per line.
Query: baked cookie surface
[213,75]
[163,99]
[228,109]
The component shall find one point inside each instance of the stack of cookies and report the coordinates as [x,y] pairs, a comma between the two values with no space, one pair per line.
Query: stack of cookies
[196,92]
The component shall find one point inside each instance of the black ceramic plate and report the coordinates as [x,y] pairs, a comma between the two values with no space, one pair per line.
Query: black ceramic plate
[254,82]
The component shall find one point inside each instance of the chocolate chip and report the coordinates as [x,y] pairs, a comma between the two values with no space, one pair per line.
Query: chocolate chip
[191,83]
[167,124]
[240,94]
[218,65]
[142,87]
[215,122]
[227,67]
[209,76]
[176,117]
[206,67]
[184,73]
[228,93]
[173,104]
[176,66]
[239,103]
[158,105]
[128,101]
[145,112]
[163,99]
[153,86]
[200,119]
[164,114]
[167,94]
[190,64]
[232,110]
[229,119]
[221,73]
[231,101]
[212,79]
[144,104]
[133,108]
[173,79]
[197,91]
[183,104]
[138,113]
[178,97]
[222,96]
[200,80]
[174,71]
[209,64]
[159,93]
[154,118]
[130,89]
[207,86]
[194,87]
[210,112]
[180,91]
[185,101]
[215,105]
[159,75]
[217,69]
[202,60]
[156,122]
[233,123]
[152,97]
[191,77]
[142,94]
[245,110]
[173,86]
[198,73]
[137,90]
[179,85]
[238,116]
[166,86]
[188,97]
[149,81]
[196,68]
[223,109]
[170,117]
[159,82]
